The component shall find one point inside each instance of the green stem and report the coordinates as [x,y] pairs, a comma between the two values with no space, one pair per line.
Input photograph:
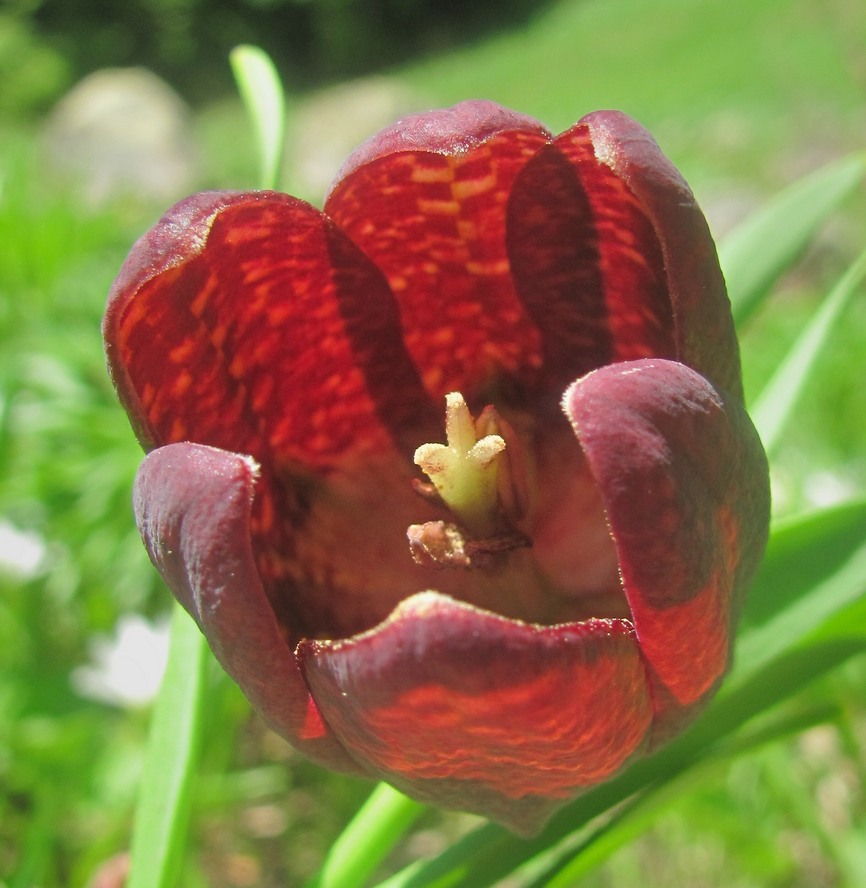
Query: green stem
[162,813]
[368,839]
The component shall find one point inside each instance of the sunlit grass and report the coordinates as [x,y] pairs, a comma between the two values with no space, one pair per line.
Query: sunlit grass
[730,88]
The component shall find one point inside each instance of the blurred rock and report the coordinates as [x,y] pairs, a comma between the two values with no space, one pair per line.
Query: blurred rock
[332,123]
[123,132]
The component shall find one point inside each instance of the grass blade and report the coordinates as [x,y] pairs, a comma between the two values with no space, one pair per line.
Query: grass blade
[773,407]
[565,869]
[804,552]
[262,93]
[815,569]
[368,839]
[756,253]
[162,813]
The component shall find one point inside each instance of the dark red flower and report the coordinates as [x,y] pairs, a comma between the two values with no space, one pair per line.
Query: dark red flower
[567,597]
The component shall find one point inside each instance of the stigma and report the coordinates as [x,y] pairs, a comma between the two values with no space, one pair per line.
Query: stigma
[465,474]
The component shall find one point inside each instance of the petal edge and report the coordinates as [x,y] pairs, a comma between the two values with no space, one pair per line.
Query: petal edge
[684,482]
[192,505]
[466,709]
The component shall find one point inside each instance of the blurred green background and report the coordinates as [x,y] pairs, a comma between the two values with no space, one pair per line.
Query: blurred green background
[745,96]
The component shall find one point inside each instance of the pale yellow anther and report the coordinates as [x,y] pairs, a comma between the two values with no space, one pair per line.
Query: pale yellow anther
[464,470]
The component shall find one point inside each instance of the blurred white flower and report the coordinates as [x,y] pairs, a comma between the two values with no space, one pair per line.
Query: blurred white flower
[826,488]
[126,669]
[22,553]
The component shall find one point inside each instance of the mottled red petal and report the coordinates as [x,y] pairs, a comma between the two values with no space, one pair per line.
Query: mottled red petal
[683,479]
[705,334]
[449,131]
[586,262]
[192,504]
[425,200]
[467,709]
[248,322]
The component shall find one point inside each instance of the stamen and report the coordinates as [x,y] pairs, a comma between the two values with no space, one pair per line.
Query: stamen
[437,544]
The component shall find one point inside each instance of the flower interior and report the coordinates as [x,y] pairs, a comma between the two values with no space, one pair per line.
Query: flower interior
[331,378]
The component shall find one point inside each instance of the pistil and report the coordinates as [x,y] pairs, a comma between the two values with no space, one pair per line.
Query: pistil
[464,471]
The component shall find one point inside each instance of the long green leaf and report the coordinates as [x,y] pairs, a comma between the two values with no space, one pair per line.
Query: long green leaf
[809,558]
[162,813]
[775,405]
[756,253]
[368,839]
[815,566]
[262,93]
[564,869]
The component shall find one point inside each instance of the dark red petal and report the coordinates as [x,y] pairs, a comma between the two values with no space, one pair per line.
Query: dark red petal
[179,235]
[706,339]
[450,131]
[466,709]
[586,262]
[192,504]
[684,482]
[247,322]
[425,201]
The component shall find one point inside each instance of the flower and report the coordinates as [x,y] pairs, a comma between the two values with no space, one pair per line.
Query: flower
[126,669]
[567,595]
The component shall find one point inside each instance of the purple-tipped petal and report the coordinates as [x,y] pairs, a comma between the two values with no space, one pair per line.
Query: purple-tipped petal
[449,131]
[463,708]
[425,200]
[683,479]
[192,504]
[705,331]
[180,235]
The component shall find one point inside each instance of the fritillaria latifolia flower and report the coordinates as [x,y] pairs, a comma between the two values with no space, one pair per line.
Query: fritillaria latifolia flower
[454,475]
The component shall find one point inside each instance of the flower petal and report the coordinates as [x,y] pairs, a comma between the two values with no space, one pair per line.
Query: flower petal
[248,322]
[684,483]
[586,261]
[706,340]
[451,131]
[466,709]
[192,504]
[425,201]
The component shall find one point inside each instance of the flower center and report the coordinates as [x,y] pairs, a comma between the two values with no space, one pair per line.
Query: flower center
[464,470]
[466,475]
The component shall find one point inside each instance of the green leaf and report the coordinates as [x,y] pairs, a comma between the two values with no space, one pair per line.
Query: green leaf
[814,569]
[756,253]
[162,812]
[775,405]
[262,94]
[817,557]
[368,839]
[565,867]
